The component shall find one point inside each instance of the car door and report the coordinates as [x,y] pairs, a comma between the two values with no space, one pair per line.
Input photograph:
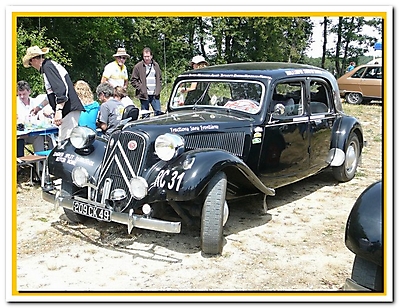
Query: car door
[284,156]
[319,108]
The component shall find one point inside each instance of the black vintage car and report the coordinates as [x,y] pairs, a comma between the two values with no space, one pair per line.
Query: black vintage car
[364,237]
[229,131]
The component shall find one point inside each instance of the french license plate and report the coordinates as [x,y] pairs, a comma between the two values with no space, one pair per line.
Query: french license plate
[92,211]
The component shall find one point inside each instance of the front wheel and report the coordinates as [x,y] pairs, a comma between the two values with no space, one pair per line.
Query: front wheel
[212,215]
[347,170]
[354,98]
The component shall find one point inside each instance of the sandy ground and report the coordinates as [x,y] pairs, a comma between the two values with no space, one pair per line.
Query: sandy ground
[297,246]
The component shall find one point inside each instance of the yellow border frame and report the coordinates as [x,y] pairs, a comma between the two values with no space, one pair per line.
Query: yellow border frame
[15,15]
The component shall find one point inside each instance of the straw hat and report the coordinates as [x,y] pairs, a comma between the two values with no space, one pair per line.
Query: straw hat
[198,59]
[121,52]
[32,52]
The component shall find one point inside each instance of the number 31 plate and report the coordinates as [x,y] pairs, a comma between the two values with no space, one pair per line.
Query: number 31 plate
[92,211]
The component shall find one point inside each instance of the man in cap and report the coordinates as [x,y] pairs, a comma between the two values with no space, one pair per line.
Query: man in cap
[59,88]
[115,72]
[196,63]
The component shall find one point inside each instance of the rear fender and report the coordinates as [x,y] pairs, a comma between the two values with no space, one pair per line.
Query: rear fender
[186,177]
[343,127]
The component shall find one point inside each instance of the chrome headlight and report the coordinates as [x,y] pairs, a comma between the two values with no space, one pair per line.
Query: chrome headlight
[138,187]
[82,137]
[80,176]
[169,146]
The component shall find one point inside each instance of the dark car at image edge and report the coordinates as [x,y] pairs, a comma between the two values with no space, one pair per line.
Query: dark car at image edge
[364,237]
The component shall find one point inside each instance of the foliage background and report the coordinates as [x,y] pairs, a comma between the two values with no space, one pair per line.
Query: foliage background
[84,45]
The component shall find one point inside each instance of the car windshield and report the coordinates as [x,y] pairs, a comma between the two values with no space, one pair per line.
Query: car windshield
[232,94]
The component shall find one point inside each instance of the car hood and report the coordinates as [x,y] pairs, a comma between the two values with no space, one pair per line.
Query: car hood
[191,121]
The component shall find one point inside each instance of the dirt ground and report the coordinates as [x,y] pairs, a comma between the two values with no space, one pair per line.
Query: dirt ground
[297,246]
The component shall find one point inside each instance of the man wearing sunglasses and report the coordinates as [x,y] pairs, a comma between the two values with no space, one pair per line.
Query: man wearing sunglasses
[115,72]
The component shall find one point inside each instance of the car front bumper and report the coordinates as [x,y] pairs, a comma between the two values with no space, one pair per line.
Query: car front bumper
[129,219]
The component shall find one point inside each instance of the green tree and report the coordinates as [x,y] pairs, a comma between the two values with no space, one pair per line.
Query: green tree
[351,41]
[84,45]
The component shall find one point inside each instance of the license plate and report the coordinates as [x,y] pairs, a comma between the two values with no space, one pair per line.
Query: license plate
[92,211]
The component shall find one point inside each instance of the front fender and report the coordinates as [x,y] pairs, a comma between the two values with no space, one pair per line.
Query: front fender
[186,177]
[65,157]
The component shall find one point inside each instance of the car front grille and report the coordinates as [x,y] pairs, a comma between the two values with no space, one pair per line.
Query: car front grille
[122,161]
[231,142]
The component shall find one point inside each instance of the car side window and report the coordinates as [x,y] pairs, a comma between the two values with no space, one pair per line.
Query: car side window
[319,97]
[287,100]
[358,73]
[373,73]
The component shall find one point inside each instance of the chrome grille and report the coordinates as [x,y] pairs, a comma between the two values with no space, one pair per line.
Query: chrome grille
[231,142]
[123,160]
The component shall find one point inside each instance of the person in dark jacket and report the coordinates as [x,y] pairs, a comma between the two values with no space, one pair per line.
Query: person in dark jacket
[60,91]
[147,80]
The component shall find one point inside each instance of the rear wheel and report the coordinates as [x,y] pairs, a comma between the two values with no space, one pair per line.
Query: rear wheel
[347,170]
[367,274]
[354,98]
[75,218]
[212,215]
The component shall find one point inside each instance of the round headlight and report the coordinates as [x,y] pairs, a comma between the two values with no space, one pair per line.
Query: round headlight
[138,187]
[80,176]
[82,136]
[168,146]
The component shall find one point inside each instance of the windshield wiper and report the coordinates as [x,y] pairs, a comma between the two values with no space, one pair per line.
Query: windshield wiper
[201,98]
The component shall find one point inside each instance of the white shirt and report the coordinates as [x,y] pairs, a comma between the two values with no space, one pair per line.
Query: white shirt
[23,110]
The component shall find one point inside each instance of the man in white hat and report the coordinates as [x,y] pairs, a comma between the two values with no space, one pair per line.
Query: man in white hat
[196,63]
[115,72]
[59,88]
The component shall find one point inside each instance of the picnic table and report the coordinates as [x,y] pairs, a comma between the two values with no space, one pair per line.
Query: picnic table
[34,159]
[36,130]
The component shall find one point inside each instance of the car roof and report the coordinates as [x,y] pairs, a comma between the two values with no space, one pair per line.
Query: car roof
[368,65]
[258,69]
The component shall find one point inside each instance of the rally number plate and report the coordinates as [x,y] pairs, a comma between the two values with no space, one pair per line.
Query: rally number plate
[92,211]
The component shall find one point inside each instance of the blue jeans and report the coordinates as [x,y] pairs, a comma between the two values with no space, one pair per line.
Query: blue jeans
[155,104]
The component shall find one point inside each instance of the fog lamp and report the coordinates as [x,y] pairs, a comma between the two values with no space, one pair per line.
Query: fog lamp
[80,176]
[138,187]
[146,209]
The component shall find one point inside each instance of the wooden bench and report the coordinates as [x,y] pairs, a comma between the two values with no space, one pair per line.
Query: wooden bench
[33,162]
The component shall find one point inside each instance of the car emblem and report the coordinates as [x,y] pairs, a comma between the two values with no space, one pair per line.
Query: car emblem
[132,145]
